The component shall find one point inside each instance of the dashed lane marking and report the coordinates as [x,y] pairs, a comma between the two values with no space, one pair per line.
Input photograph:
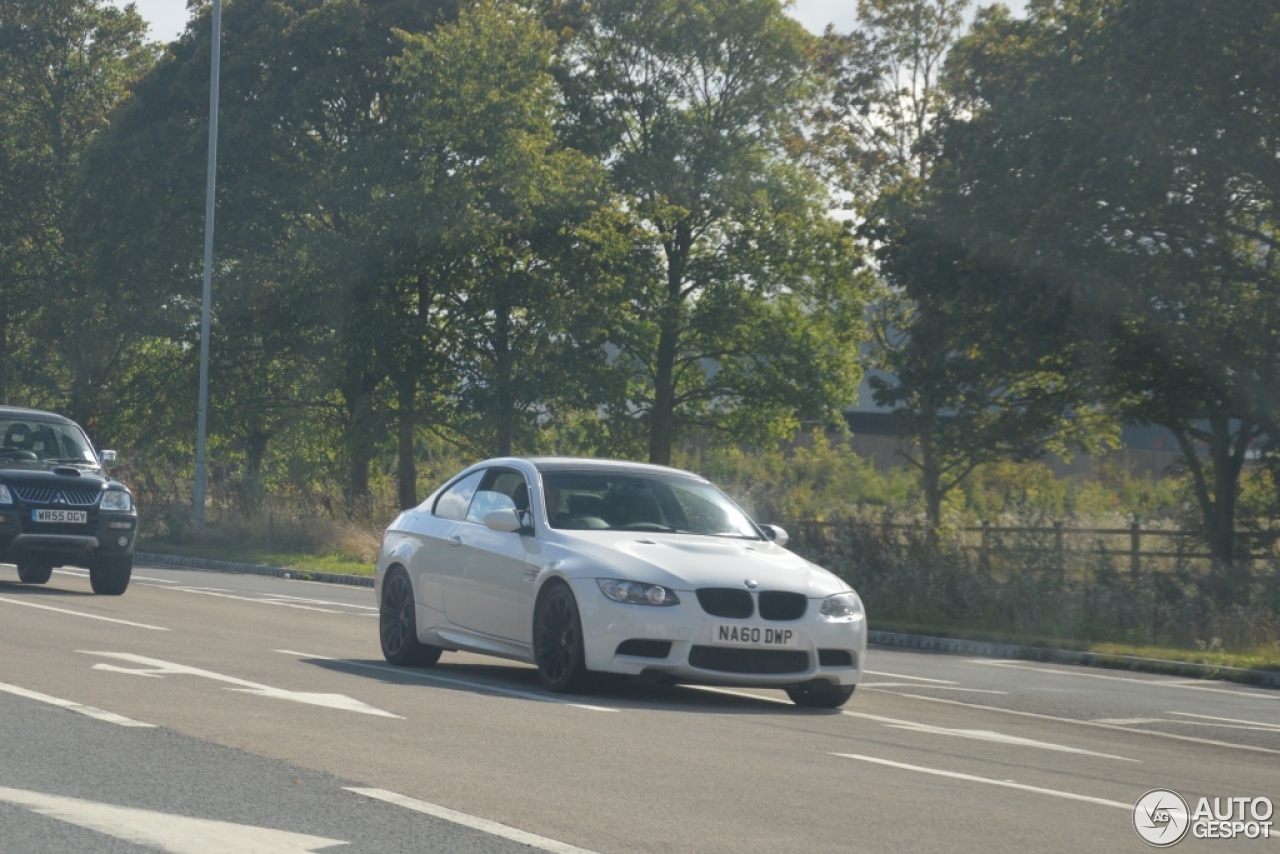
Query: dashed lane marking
[913,678]
[1186,684]
[484,825]
[78,708]
[154,667]
[877,685]
[449,680]
[1098,724]
[1008,784]
[83,614]
[983,735]
[174,834]
[1227,720]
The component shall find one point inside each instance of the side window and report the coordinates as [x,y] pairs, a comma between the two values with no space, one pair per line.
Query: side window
[453,502]
[502,489]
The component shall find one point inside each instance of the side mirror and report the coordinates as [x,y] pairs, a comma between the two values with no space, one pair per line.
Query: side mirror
[108,459]
[775,534]
[507,521]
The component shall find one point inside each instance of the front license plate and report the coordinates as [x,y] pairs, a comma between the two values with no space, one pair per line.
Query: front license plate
[73,517]
[727,634]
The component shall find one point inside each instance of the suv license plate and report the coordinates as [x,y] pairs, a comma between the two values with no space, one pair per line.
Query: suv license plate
[727,634]
[74,517]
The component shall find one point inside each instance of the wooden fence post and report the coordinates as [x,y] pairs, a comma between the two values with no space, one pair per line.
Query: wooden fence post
[983,560]
[1059,553]
[1135,549]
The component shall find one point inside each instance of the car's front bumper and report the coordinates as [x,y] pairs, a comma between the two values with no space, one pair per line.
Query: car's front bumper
[111,534]
[678,642]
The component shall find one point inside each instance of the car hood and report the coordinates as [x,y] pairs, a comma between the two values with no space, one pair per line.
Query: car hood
[687,562]
[67,477]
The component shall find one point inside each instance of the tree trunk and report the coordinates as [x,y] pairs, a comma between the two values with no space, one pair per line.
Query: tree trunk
[504,403]
[358,396]
[406,422]
[4,353]
[1218,499]
[662,418]
[931,480]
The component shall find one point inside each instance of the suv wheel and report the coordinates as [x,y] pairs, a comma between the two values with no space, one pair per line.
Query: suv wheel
[34,573]
[109,576]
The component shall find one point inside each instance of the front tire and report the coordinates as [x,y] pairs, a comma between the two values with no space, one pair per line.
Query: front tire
[398,624]
[34,573]
[820,695]
[557,641]
[109,576]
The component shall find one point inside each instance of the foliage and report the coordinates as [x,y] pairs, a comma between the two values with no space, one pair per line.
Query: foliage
[64,66]
[915,581]
[742,303]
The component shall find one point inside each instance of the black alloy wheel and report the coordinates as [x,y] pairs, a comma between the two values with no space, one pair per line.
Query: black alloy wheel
[820,695]
[109,576]
[398,624]
[557,640]
[34,573]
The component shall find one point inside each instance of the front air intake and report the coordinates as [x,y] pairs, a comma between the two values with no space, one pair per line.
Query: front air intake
[726,602]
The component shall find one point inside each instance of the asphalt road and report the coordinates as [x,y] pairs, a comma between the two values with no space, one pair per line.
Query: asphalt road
[207,712]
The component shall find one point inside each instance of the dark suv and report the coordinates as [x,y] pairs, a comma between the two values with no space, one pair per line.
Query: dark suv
[58,505]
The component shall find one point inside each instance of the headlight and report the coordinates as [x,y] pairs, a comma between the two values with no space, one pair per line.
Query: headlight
[842,605]
[116,499]
[637,593]
[5,497]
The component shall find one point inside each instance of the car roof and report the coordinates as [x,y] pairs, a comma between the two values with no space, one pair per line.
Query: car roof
[17,413]
[552,464]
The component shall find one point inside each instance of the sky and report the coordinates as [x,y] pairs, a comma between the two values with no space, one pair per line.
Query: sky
[168,17]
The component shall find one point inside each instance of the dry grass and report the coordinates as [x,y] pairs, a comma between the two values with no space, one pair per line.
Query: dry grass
[321,543]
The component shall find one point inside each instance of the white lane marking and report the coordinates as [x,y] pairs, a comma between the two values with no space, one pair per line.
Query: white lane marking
[1098,724]
[914,678]
[875,685]
[982,735]
[731,693]
[175,834]
[1188,684]
[84,573]
[449,680]
[482,824]
[156,667]
[224,595]
[1128,721]
[83,614]
[282,596]
[1228,720]
[78,708]
[1005,783]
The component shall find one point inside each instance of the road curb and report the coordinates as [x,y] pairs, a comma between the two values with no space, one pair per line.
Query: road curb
[253,569]
[986,649]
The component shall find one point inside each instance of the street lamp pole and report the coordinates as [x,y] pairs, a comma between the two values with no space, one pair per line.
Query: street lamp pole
[197,502]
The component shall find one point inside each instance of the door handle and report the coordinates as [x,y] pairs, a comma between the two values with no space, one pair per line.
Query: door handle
[455,541]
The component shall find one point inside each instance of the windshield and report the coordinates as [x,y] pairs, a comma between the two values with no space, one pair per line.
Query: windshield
[44,441]
[626,501]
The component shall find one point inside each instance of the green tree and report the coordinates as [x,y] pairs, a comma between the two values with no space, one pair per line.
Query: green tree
[505,214]
[1122,161]
[64,66]
[743,302]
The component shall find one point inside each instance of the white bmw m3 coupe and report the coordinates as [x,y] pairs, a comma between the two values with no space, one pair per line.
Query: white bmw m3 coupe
[580,566]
